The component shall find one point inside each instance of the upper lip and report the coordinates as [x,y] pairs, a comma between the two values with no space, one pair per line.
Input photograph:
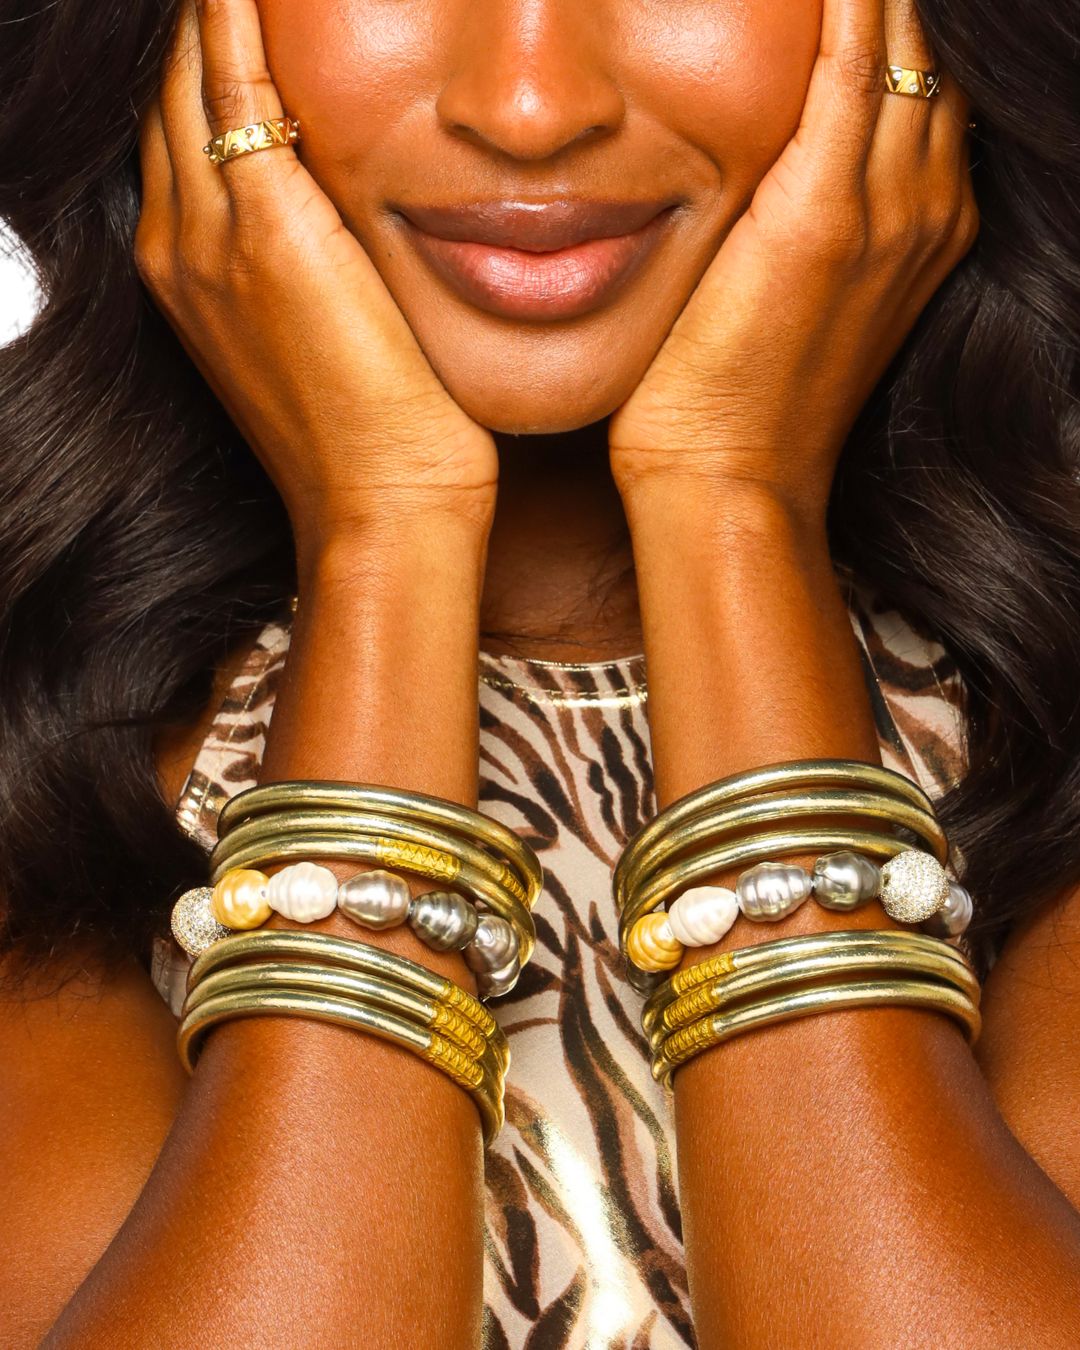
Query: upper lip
[537,227]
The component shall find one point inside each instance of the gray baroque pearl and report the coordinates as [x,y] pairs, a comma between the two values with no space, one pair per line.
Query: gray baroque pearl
[493,944]
[914,885]
[376,899]
[845,880]
[771,890]
[443,920]
[954,915]
[495,983]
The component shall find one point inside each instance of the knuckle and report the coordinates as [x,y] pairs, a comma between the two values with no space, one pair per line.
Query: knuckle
[228,105]
[860,72]
[841,237]
[152,253]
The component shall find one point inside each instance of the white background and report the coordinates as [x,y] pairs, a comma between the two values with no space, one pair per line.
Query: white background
[18,294]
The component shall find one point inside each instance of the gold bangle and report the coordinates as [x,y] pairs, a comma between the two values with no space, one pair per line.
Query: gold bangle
[780,807]
[709,1031]
[424,862]
[771,955]
[762,846]
[313,794]
[349,954]
[786,774]
[731,990]
[427,1045]
[395,998]
[424,852]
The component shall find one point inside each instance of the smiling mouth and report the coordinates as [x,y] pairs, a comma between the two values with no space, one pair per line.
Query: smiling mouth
[523,283]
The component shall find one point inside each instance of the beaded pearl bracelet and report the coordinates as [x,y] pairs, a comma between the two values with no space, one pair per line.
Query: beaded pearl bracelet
[305,892]
[912,886]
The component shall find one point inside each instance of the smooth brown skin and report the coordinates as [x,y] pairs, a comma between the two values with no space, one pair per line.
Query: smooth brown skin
[856,1179]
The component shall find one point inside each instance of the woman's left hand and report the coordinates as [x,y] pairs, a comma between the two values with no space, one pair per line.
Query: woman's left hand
[847,237]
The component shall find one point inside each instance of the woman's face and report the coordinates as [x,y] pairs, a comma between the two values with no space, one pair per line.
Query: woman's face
[676,106]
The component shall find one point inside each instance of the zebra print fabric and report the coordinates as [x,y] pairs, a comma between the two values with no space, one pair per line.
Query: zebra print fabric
[583,1234]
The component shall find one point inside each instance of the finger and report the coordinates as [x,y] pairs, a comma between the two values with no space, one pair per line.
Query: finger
[237,86]
[846,86]
[906,119]
[182,113]
[158,188]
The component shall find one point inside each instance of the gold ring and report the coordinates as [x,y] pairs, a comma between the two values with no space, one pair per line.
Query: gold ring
[917,83]
[255,136]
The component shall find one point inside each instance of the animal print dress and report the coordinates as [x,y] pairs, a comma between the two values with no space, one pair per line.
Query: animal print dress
[583,1235]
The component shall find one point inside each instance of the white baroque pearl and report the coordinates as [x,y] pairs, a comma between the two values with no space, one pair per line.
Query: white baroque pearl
[914,885]
[303,892]
[771,890]
[702,915]
[954,915]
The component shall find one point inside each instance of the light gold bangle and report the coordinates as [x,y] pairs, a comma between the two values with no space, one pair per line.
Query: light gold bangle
[709,1031]
[395,998]
[761,846]
[716,825]
[351,955]
[350,1012]
[434,853]
[425,862]
[317,795]
[731,990]
[786,775]
[774,954]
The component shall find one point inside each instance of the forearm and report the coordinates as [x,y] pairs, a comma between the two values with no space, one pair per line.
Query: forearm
[845,1178]
[320,1186]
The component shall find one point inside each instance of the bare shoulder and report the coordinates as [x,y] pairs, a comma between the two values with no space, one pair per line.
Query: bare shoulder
[1031,1033]
[91,1085]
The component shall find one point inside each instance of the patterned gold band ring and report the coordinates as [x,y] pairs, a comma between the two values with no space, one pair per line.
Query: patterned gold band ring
[915,83]
[256,136]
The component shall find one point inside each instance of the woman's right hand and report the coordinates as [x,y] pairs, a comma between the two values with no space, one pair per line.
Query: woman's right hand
[281,309]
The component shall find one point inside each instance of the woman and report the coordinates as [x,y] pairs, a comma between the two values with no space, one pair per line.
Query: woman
[799,438]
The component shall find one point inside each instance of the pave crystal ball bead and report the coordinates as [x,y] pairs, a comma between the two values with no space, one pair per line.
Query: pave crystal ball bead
[303,892]
[701,916]
[193,923]
[771,890]
[652,945]
[954,915]
[914,885]
[845,880]
[493,945]
[444,921]
[239,899]
[375,899]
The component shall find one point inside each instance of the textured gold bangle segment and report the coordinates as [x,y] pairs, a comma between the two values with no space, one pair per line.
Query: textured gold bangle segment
[756,849]
[427,1045]
[775,954]
[447,850]
[731,990]
[395,998]
[315,795]
[709,1031]
[364,848]
[349,954]
[781,807]
[786,775]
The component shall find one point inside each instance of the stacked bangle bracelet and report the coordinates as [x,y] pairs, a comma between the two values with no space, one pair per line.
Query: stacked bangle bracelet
[727,823]
[708,1003]
[420,834]
[352,984]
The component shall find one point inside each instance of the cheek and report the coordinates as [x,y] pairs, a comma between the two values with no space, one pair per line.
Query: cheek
[728,76]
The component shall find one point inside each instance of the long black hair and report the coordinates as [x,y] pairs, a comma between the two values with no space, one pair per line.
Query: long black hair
[140,540]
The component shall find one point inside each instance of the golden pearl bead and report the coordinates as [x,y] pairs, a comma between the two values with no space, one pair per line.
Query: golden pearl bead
[239,899]
[651,944]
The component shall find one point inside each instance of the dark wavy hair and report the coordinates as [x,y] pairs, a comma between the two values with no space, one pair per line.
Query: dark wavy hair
[140,540]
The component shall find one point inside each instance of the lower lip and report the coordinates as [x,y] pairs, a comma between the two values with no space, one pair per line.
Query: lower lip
[559,285]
